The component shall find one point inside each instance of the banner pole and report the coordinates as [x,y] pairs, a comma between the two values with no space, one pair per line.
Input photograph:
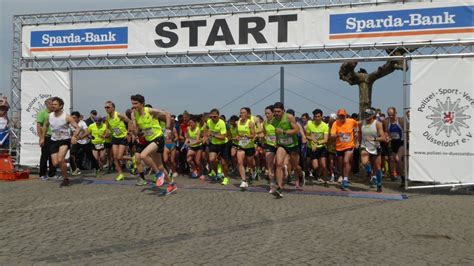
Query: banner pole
[406,108]
[71,89]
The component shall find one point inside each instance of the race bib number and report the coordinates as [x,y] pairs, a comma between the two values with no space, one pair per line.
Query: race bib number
[286,140]
[99,146]
[244,142]
[214,134]
[345,137]
[317,136]
[148,132]
[58,134]
[192,141]
[116,131]
[271,139]
[394,135]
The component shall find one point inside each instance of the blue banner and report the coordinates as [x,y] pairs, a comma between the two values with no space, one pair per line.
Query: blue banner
[402,20]
[79,37]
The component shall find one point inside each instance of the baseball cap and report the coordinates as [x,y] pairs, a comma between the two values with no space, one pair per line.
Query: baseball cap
[94,112]
[341,111]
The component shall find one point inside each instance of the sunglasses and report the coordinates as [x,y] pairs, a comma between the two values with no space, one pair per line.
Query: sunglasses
[108,107]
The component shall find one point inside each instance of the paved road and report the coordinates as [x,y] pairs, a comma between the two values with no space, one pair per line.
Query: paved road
[99,222]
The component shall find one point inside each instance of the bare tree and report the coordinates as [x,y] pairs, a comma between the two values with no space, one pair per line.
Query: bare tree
[365,81]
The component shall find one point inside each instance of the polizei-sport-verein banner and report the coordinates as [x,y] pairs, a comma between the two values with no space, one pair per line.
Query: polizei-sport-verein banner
[442,120]
[36,87]
[315,27]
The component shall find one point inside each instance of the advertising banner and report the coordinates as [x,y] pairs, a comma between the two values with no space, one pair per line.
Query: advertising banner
[307,28]
[442,120]
[36,87]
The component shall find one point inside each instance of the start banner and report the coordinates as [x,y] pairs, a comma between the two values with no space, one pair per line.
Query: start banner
[36,87]
[299,28]
[441,123]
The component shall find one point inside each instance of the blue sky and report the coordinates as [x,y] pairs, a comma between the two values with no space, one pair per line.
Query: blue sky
[202,88]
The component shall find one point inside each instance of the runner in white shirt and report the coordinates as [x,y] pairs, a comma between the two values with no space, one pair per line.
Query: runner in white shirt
[370,153]
[61,137]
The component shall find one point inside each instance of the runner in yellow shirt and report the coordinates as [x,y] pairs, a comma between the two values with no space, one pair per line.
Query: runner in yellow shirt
[317,132]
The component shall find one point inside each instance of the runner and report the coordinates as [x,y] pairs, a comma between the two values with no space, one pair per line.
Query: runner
[302,150]
[270,147]
[317,132]
[393,127]
[246,149]
[344,130]
[145,119]
[75,158]
[216,133]
[371,134]
[98,132]
[45,158]
[117,125]
[4,125]
[169,153]
[286,130]
[331,147]
[61,137]
[194,142]
[232,134]
[260,161]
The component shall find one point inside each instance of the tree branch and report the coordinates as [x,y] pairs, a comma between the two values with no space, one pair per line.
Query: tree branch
[347,73]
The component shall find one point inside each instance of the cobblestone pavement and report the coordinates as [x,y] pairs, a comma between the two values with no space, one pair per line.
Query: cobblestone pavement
[100,222]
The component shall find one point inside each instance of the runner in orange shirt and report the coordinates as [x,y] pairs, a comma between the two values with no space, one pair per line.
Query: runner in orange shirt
[344,130]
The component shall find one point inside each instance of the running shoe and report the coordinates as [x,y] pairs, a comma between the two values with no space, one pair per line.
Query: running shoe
[345,185]
[272,189]
[372,182]
[277,193]
[225,181]
[141,182]
[332,178]
[340,179]
[120,177]
[45,177]
[244,186]
[379,189]
[219,177]
[174,175]
[194,174]
[98,173]
[171,188]
[212,174]
[255,175]
[76,172]
[160,179]
[64,183]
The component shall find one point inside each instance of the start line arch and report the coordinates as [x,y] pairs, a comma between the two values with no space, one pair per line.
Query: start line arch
[48,47]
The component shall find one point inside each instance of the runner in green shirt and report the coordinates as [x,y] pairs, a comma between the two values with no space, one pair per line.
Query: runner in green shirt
[317,132]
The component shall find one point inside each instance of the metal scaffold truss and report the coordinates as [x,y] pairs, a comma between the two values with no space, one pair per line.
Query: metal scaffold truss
[208,9]
[252,57]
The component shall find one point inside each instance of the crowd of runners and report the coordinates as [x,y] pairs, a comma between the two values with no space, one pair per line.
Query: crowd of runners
[284,149]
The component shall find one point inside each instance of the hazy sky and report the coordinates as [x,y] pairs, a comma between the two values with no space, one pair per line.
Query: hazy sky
[197,89]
